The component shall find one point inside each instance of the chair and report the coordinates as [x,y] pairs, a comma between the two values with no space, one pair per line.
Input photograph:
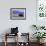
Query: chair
[26,41]
[14,32]
[7,35]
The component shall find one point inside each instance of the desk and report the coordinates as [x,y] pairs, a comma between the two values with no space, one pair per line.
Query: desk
[8,34]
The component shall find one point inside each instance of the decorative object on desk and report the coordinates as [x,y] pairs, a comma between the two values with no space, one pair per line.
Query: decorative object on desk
[18,13]
[14,30]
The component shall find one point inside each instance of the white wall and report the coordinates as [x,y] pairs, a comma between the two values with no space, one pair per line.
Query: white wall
[24,25]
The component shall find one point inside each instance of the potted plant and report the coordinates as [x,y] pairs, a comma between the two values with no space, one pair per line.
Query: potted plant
[39,35]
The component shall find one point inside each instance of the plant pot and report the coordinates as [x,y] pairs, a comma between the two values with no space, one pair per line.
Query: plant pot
[40,41]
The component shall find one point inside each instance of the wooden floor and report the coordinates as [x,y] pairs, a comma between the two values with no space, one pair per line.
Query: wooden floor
[13,44]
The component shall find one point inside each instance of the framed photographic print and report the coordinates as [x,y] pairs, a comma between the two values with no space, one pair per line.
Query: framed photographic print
[17,13]
[41,12]
[41,8]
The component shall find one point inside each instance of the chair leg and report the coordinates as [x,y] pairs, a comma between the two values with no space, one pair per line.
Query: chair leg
[5,43]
